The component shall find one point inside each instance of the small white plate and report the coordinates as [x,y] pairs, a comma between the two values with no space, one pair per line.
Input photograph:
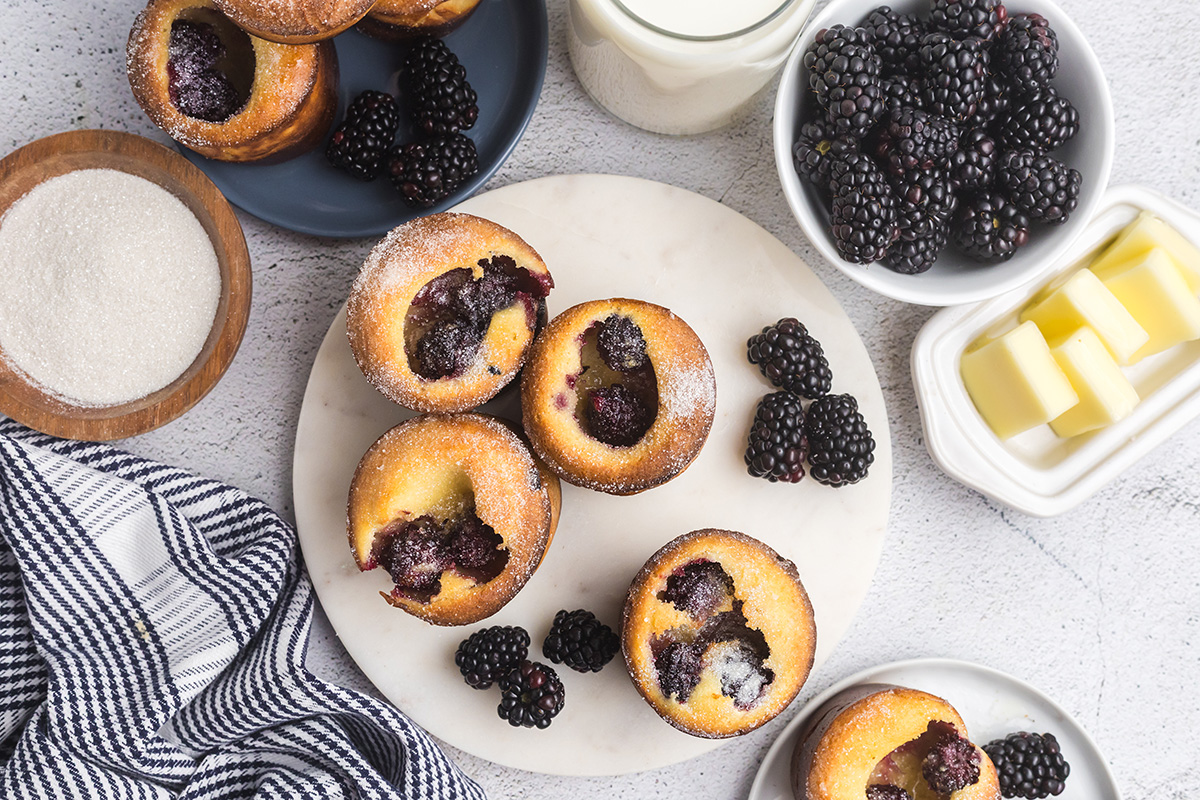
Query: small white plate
[992,703]
[1037,472]
[606,236]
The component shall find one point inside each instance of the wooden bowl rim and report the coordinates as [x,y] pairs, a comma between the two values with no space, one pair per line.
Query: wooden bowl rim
[58,154]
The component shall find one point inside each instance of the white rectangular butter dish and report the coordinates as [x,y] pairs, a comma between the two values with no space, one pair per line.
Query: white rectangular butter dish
[1036,472]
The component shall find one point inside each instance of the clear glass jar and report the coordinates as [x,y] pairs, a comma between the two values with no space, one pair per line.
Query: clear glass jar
[681,67]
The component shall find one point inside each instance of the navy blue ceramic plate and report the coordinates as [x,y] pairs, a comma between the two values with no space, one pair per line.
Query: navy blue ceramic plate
[502,45]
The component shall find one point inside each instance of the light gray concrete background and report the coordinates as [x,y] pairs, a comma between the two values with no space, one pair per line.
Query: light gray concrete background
[1099,608]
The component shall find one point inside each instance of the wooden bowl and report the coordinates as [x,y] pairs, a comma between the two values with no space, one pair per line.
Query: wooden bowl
[23,169]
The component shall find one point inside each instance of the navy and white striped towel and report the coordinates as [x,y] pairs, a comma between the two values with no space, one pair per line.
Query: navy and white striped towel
[152,634]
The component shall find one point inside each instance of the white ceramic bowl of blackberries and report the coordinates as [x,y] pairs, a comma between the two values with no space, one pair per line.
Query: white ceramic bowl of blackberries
[942,152]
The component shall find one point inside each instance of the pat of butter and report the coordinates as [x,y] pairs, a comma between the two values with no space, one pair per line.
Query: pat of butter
[1105,394]
[1143,235]
[1158,297]
[1015,383]
[1084,300]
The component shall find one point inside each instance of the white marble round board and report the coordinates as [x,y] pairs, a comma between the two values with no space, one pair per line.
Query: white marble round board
[992,703]
[605,236]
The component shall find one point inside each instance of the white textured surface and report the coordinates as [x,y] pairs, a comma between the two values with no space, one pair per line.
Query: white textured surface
[1100,609]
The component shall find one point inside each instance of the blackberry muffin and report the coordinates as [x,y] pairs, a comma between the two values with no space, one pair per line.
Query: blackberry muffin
[618,395]
[888,742]
[458,512]
[227,94]
[443,312]
[718,633]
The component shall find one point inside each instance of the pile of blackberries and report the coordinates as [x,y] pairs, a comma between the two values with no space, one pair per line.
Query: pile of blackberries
[924,132]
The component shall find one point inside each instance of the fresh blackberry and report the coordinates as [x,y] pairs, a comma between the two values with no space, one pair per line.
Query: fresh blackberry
[989,228]
[925,202]
[896,38]
[579,640]
[900,92]
[817,148]
[887,791]
[440,99]
[425,173]
[854,110]
[840,446]
[376,113]
[1027,52]
[489,654]
[791,359]
[777,445]
[864,209]
[360,144]
[913,139]
[532,696]
[951,764]
[1042,187]
[1030,765]
[973,165]
[1043,122]
[979,18]
[955,75]
[914,256]
[994,104]
[840,57]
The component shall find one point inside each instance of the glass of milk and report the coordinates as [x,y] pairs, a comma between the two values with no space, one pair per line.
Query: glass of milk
[681,66]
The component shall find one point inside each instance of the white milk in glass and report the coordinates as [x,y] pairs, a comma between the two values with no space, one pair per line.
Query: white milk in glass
[681,66]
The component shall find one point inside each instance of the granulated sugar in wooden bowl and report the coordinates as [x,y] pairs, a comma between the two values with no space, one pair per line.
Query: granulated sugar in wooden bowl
[124,285]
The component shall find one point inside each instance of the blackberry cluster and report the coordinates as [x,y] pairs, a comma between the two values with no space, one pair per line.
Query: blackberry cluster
[982,19]
[817,148]
[909,120]
[1042,187]
[361,142]
[440,103]
[425,173]
[532,696]
[777,445]
[863,210]
[441,100]
[781,435]
[955,75]
[580,641]
[1030,765]
[489,654]
[840,446]
[989,228]
[1027,51]
[912,139]
[791,359]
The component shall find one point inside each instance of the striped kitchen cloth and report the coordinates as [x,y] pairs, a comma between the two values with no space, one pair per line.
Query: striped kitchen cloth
[152,635]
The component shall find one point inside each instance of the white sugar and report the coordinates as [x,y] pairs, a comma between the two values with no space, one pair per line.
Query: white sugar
[108,286]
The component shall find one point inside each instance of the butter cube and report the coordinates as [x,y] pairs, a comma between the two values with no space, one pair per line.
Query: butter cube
[1084,300]
[1143,235]
[1015,383]
[1155,293]
[1105,394]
